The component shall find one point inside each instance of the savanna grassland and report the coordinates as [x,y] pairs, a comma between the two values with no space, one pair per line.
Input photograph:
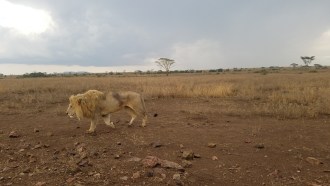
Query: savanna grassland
[280,95]
[266,129]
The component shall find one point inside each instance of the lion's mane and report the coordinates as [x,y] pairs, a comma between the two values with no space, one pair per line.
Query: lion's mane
[85,104]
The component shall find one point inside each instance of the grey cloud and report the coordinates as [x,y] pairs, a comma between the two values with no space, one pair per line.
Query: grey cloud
[106,33]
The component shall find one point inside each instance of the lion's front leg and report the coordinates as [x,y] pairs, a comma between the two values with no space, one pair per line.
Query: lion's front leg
[92,126]
[107,121]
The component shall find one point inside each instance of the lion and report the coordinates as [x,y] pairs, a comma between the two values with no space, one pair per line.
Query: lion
[93,104]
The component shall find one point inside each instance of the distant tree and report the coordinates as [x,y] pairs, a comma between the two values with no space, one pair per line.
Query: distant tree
[138,72]
[165,64]
[294,65]
[307,60]
[35,74]
[317,66]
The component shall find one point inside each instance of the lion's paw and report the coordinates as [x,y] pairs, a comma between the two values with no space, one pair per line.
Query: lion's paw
[90,132]
[111,125]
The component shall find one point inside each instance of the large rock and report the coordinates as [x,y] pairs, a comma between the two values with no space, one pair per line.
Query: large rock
[153,161]
[150,161]
[14,134]
[188,155]
[170,164]
[211,145]
[313,161]
[186,163]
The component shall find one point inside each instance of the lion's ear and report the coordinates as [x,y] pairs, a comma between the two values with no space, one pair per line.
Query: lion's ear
[71,97]
[81,101]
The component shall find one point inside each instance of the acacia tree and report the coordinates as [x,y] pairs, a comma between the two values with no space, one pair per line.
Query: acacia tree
[294,65]
[307,60]
[165,63]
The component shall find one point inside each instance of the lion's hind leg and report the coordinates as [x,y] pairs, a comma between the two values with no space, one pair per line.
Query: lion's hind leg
[141,111]
[138,112]
[132,113]
[144,120]
[106,119]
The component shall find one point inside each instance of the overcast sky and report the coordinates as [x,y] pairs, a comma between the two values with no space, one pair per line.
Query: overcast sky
[116,35]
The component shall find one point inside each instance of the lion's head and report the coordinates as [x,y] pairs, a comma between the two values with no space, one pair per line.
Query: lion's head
[84,105]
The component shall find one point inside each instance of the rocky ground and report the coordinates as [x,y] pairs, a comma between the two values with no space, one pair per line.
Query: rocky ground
[186,142]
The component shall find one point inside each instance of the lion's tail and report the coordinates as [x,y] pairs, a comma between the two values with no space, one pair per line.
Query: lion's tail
[143,105]
[144,113]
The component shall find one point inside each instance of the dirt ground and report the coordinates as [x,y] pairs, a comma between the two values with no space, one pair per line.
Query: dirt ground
[49,148]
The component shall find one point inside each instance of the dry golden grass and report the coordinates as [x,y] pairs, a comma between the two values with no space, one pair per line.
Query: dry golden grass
[282,95]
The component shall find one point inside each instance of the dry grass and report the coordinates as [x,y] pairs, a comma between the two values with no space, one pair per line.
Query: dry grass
[281,95]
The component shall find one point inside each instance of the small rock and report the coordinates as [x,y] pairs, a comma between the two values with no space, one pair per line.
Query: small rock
[14,134]
[135,159]
[136,175]
[97,175]
[94,153]
[214,158]
[36,130]
[125,178]
[21,150]
[259,146]
[186,163]
[307,149]
[159,172]
[197,156]
[49,134]
[156,144]
[155,115]
[70,180]
[170,164]
[73,167]
[90,173]
[313,161]
[40,183]
[37,146]
[81,149]
[83,163]
[177,177]
[149,173]
[56,152]
[5,169]
[181,146]
[27,170]
[32,159]
[313,184]
[14,165]
[275,173]
[248,141]
[188,155]
[117,156]
[157,179]
[118,143]
[12,159]
[211,145]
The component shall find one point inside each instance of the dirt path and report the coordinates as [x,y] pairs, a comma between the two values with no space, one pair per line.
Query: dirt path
[52,149]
